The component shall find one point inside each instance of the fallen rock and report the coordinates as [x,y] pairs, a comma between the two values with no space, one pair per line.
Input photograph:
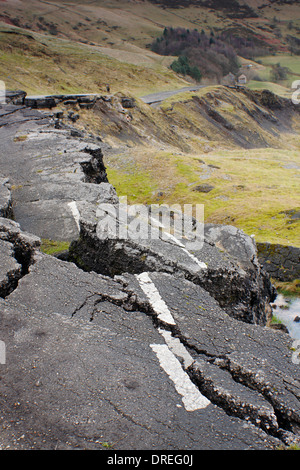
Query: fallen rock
[203,188]
[128,102]
[40,102]
[280,261]
[15,97]
[279,326]
[17,250]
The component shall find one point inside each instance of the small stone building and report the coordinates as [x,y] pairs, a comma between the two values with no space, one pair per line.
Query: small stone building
[242,79]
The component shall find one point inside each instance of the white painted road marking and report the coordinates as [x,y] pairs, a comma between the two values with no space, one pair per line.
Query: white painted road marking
[200,263]
[176,346]
[2,353]
[191,397]
[178,243]
[158,304]
[75,212]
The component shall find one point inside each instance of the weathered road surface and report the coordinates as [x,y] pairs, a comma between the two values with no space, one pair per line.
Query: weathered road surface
[49,169]
[156,98]
[144,348]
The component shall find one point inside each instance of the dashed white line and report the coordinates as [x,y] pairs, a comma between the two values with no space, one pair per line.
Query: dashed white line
[176,346]
[191,397]
[158,304]
[2,352]
[201,264]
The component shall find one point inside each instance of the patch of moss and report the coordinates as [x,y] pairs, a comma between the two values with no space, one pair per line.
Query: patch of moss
[290,447]
[54,247]
[20,138]
[276,321]
[138,186]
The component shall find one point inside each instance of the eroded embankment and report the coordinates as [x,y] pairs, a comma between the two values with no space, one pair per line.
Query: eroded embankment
[220,115]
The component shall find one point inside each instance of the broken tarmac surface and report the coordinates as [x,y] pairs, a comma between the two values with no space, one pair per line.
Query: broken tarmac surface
[48,170]
[140,360]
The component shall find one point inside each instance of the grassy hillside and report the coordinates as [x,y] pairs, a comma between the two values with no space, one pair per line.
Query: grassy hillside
[112,22]
[123,30]
[44,64]
[253,190]
[226,149]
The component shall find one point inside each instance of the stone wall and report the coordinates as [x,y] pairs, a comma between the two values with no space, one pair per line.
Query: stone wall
[281,262]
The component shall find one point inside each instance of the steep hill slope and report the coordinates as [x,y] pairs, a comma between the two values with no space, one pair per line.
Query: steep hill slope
[124,30]
[137,22]
[45,64]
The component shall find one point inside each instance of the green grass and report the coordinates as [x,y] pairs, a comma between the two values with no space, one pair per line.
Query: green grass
[251,188]
[285,60]
[273,87]
[20,138]
[106,445]
[290,447]
[139,186]
[288,289]
[51,247]
[276,321]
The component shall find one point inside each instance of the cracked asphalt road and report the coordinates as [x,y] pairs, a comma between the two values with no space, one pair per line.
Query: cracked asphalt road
[71,382]
[141,360]
[157,98]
